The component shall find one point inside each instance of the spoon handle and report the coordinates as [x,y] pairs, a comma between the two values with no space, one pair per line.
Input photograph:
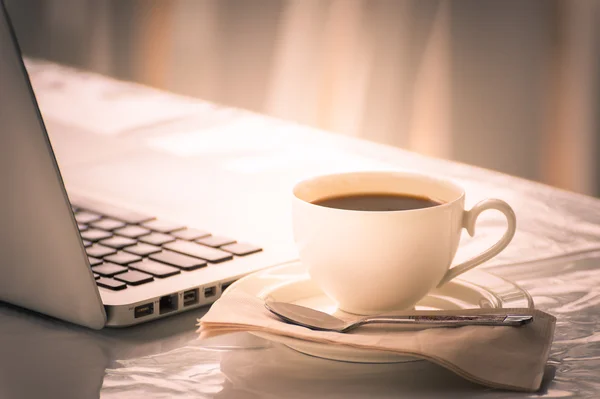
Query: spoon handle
[452,321]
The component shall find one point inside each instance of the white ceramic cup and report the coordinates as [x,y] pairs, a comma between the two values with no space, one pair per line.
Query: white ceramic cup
[372,261]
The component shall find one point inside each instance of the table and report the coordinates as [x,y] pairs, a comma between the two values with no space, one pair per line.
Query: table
[556,258]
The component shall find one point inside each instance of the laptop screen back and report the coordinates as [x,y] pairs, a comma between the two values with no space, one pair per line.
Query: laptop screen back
[43,265]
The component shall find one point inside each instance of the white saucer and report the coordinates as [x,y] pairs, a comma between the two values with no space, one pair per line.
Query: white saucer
[291,283]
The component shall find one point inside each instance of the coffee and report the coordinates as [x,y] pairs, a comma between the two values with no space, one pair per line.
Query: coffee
[381,262]
[377,202]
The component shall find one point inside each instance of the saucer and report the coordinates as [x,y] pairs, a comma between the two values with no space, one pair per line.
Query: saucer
[291,283]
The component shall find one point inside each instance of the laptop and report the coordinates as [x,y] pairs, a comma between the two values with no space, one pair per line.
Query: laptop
[139,233]
[112,231]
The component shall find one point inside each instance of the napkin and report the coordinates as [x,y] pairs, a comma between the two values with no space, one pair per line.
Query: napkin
[511,358]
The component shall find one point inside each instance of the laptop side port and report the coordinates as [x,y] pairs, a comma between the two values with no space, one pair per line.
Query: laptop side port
[143,310]
[167,303]
[191,297]
[226,285]
[210,291]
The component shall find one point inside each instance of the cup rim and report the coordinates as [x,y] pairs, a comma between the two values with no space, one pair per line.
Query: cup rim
[441,181]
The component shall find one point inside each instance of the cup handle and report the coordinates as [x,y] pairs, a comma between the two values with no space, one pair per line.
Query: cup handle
[469,220]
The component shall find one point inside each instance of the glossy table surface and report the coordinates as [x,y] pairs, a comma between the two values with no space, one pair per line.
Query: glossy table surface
[555,256]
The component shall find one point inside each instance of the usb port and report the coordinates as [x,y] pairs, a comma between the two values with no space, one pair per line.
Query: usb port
[226,285]
[210,291]
[190,297]
[143,310]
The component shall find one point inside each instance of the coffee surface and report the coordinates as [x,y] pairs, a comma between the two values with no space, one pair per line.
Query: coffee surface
[377,202]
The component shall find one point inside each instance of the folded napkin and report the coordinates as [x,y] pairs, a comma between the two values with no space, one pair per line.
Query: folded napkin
[500,357]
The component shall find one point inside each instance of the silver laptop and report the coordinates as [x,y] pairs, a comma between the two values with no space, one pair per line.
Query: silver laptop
[105,258]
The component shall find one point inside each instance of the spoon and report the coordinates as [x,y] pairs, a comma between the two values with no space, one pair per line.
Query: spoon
[317,320]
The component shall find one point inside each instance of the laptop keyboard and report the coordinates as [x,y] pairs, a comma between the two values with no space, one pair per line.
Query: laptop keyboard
[128,248]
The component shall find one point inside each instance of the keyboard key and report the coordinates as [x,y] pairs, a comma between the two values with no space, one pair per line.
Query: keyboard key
[82,227]
[241,248]
[215,241]
[118,242]
[178,260]
[87,243]
[162,226]
[111,284]
[154,268]
[107,224]
[113,212]
[199,251]
[122,258]
[132,231]
[190,234]
[157,238]
[96,276]
[98,251]
[134,277]
[109,269]
[142,249]
[86,217]
[94,261]
[95,235]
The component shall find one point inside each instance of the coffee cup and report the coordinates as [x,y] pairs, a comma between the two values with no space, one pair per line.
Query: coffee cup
[380,241]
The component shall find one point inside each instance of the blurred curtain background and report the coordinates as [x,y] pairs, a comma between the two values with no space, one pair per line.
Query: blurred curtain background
[509,85]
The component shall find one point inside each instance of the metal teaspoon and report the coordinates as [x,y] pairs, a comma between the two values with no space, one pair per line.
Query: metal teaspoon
[317,320]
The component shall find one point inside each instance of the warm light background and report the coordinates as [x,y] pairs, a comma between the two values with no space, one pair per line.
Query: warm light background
[510,85]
